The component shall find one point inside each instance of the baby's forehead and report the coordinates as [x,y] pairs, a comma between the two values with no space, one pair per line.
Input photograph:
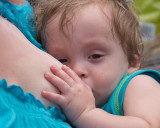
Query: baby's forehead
[106,10]
[90,16]
[91,11]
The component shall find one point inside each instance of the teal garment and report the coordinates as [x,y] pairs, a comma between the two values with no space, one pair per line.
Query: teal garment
[19,110]
[115,103]
[22,17]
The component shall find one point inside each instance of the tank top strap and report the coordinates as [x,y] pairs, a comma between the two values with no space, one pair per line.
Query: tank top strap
[115,103]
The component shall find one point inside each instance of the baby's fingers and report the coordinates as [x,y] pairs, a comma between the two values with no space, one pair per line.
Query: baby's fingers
[63,75]
[53,97]
[71,73]
[57,82]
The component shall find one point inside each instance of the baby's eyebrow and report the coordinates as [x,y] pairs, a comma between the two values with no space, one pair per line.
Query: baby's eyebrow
[97,43]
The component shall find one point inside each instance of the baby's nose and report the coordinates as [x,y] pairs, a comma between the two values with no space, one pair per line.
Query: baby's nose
[80,70]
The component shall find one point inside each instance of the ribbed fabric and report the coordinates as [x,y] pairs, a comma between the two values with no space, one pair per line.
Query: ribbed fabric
[19,110]
[22,17]
[115,103]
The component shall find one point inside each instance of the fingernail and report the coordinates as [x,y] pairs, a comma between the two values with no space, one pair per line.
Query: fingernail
[43,93]
[47,74]
[54,67]
[64,66]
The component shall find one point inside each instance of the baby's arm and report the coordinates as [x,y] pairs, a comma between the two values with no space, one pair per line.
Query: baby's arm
[75,96]
[141,103]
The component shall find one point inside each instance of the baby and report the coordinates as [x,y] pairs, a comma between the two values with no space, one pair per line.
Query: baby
[99,43]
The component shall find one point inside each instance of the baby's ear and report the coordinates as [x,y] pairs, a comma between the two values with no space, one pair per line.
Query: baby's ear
[135,64]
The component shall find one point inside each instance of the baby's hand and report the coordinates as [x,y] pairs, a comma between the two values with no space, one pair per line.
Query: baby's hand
[75,96]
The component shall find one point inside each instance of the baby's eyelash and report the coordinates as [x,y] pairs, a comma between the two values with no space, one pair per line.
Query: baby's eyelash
[95,56]
[62,60]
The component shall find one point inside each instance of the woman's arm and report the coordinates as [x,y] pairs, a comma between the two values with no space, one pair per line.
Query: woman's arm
[22,63]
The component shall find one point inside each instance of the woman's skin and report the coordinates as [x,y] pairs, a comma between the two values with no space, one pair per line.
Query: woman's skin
[22,63]
[17,1]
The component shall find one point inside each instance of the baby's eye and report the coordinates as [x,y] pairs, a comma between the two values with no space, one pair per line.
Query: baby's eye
[62,60]
[95,56]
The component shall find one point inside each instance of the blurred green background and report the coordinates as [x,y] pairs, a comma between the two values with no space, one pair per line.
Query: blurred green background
[149,11]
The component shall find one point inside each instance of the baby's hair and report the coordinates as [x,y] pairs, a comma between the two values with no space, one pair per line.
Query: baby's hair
[125,23]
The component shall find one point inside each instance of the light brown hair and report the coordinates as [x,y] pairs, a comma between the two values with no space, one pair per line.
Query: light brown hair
[124,21]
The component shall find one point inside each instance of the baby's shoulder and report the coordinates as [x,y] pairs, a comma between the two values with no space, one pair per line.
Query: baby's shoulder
[144,77]
[142,97]
[144,84]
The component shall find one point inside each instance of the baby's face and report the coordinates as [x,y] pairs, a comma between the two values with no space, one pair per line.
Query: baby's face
[90,50]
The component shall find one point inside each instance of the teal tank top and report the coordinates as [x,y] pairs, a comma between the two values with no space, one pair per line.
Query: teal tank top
[115,103]
[22,17]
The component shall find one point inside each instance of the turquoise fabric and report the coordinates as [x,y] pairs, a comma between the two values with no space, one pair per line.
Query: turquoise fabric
[21,16]
[115,103]
[19,110]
